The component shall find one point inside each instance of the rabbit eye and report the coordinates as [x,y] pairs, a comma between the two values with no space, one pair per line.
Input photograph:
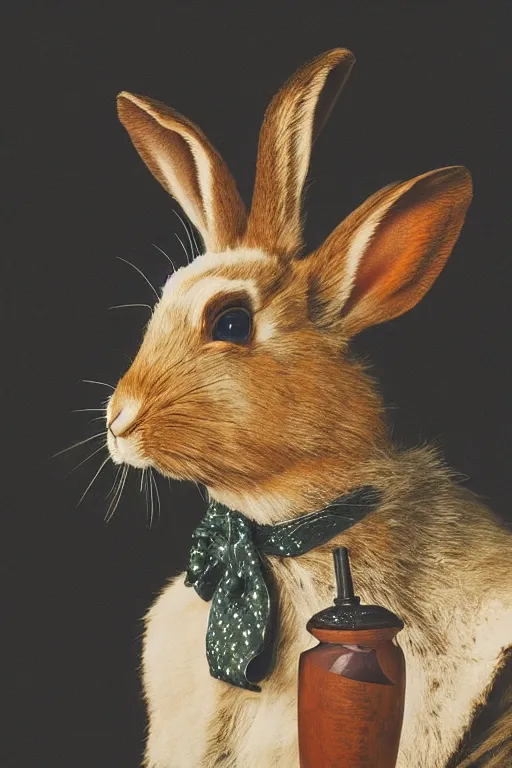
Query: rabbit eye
[232,325]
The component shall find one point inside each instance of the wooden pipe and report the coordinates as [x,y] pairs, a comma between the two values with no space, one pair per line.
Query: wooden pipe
[352,684]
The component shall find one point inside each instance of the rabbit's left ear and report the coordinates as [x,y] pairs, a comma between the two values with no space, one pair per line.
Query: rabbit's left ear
[293,120]
[384,257]
[182,159]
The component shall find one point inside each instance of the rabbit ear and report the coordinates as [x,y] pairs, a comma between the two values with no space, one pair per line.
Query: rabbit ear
[182,159]
[385,256]
[293,120]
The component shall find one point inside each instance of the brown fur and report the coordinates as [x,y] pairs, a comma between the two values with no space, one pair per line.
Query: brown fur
[284,423]
[488,743]
[176,136]
[293,120]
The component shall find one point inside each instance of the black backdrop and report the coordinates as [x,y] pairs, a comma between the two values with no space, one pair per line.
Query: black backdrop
[427,91]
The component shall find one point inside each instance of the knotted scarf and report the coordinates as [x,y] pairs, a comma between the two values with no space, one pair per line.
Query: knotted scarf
[228,567]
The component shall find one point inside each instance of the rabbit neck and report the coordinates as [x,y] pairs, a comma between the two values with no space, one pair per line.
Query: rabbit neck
[307,486]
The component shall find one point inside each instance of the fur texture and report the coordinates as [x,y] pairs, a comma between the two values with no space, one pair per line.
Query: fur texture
[300,422]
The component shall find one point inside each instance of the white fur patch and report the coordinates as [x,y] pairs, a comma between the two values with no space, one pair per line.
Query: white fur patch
[177,191]
[126,450]
[192,287]
[357,248]
[207,262]
[204,174]
[265,329]
[126,415]
[201,293]
[179,689]
[305,121]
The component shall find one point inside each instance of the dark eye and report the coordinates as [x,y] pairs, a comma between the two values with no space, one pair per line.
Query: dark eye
[232,325]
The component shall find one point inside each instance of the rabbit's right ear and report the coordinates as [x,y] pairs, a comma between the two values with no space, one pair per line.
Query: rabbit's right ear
[295,117]
[383,258]
[182,159]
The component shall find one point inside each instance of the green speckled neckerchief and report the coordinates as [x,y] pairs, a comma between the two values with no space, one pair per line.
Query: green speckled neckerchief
[227,567]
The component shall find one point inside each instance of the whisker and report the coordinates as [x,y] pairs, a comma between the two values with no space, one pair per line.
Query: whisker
[92,481]
[191,228]
[103,383]
[121,306]
[115,481]
[87,410]
[82,442]
[115,494]
[142,274]
[87,459]
[198,250]
[166,256]
[184,249]
[199,491]
[188,233]
[115,501]
[146,495]
[157,494]
[114,497]
[150,523]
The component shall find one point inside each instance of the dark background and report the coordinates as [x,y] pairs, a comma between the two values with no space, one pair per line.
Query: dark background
[427,91]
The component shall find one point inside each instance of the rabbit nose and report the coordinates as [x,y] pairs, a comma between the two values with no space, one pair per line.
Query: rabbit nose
[123,419]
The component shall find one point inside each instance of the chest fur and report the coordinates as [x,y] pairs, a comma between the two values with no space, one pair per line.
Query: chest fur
[196,720]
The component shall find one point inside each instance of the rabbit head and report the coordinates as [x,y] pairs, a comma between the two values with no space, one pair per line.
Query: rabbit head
[244,380]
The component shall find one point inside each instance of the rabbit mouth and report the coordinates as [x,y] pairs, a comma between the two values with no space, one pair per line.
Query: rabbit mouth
[126,450]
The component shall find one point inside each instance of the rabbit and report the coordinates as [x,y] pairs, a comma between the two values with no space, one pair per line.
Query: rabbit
[245,383]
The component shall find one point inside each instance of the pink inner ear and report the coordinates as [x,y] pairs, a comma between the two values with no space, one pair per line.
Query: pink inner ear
[361,287]
[406,246]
